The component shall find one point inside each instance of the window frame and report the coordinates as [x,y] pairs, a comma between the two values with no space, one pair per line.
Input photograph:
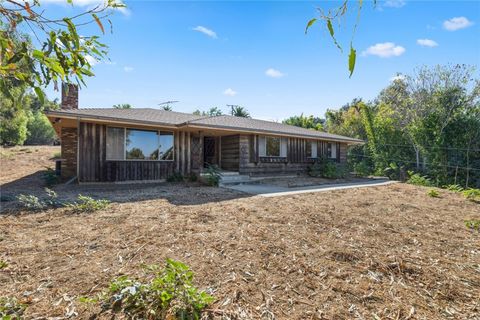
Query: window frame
[311,143]
[158,131]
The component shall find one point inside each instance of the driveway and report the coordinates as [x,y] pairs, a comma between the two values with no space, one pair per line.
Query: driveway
[267,190]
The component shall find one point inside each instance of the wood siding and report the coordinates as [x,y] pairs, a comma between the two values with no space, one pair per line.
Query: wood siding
[93,166]
[230,152]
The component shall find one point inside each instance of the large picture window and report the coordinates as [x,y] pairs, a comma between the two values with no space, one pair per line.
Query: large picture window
[134,144]
[272,146]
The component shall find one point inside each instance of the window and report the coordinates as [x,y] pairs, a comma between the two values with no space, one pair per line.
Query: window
[332,150]
[272,147]
[166,145]
[311,149]
[134,144]
[141,145]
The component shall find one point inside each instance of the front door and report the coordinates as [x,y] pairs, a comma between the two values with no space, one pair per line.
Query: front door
[209,151]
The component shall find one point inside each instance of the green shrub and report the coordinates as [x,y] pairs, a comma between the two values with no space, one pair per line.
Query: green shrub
[433,193]
[327,169]
[473,224]
[472,194]
[419,180]
[175,177]
[454,187]
[192,177]
[362,169]
[31,202]
[50,177]
[87,204]
[39,130]
[11,309]
[166,292]
[213,175]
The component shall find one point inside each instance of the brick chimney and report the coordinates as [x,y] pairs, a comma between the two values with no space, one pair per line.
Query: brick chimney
[69,96]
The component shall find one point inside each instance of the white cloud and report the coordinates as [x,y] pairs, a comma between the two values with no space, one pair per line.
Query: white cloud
[394,3]
[457,23]
[384,50]
[206,31]
[91,60]
[230,92]
[274,73]
[128,69]
[427,43]
[89,3]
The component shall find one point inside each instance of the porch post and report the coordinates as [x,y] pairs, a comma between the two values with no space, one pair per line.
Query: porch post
[220,152]
[201,151]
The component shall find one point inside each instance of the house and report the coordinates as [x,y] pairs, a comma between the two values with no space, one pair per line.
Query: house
[149,144]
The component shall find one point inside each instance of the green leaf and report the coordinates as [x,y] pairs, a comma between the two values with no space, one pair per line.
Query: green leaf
[40,94]
[309,24]
[98,22]
[351,60]
[38,54]
[332,34]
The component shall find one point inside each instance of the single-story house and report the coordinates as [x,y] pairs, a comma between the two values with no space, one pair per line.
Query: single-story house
[107,144]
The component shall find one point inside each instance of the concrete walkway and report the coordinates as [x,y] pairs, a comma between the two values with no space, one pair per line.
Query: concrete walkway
[266,190]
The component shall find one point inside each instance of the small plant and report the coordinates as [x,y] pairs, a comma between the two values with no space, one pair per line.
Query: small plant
[192,177]
[11,309]
[473,224]
[87,204]
[472,194]
[419,180]
[433,193]
[168,293]
[50,177]
[214,175]
[3,264]
[57,155]
[31,202]
[175,177]
[454,188]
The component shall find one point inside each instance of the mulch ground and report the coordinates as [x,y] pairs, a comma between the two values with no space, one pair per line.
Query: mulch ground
[388,252]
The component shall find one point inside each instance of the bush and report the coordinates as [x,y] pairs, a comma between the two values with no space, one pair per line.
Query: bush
[327,169]
[433,193]
[453,187]
[192,177]
[88,204]
[213,175]
[472,194]
[11,309]
[40,131]
[167,293]
[418,180]
[175,177]
[473,224]
[31,202]
[50,177]
[362,169]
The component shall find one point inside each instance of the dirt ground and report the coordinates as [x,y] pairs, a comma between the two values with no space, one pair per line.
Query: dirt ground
[388,252]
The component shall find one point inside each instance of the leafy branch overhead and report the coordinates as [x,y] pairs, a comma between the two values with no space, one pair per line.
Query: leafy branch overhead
[60,53]
[336,15]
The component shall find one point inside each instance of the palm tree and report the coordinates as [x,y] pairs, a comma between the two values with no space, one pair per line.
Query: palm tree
[167,107]
[239,111]
[122,106]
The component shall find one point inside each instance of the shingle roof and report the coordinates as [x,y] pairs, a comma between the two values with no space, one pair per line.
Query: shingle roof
[247,124]
[179,119]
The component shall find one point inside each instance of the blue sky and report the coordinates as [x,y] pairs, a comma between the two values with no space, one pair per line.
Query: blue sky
[255,54]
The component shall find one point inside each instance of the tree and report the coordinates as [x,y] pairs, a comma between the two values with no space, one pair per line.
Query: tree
[167,107]
[239,111]
[122,106]
[307,122]
[61,53]
[212,112]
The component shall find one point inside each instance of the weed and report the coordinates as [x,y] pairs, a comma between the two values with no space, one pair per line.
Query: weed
[3,264]
[473,224]
[167,294]
[453,187]
[50,177]
[213,174]
[175,177]
[192,177]
[433,193]
[472,194]
[419,180]
[87,204]
[57,155]
[11,309]
[31,202]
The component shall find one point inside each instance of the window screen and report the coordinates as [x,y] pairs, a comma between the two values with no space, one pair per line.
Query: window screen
[115,143]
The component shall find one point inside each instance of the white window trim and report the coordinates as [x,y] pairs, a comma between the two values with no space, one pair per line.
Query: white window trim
[125,145]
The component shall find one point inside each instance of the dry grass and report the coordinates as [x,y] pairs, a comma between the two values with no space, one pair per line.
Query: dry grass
[386,252]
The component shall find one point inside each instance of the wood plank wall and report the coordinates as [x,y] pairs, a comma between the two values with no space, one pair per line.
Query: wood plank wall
[230,152]
[93,166]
